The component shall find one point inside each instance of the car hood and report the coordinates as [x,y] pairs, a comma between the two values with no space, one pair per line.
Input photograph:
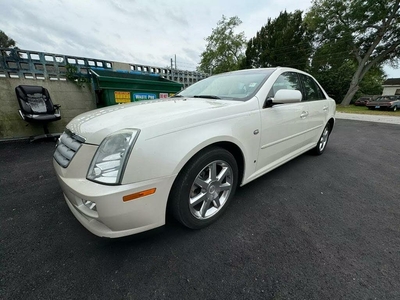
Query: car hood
[380,103]
[166,114]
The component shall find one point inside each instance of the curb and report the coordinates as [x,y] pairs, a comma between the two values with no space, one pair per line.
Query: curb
[369,118]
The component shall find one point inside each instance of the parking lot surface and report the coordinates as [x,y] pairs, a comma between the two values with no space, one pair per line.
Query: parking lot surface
[325,227]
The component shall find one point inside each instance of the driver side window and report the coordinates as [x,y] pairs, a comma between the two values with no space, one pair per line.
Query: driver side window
[287,81]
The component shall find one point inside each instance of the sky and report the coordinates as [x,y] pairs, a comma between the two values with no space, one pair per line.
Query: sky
[148,32]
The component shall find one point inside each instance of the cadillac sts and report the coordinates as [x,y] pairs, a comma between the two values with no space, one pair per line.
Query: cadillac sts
[124,167]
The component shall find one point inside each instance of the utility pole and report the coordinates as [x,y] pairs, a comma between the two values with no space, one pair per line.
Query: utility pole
[175,61]
[172,70]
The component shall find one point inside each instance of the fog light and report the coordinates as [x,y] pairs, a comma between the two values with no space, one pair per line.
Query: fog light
[89,204]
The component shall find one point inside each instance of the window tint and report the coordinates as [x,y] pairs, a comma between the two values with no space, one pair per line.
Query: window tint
[311,89]
[287,81]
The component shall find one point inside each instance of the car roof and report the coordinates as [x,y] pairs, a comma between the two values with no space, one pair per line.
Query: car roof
[263,70]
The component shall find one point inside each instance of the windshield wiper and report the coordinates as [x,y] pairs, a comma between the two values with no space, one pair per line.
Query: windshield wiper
[206,96]
[176,96]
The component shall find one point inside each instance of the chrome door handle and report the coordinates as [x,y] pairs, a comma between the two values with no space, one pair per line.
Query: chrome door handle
[325,108]
[304,114]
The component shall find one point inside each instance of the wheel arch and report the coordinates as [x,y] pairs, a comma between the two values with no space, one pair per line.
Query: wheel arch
[230,146]
[331,122]
[237,153]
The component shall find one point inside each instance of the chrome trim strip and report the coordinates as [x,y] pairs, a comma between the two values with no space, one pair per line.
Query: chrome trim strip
[290,137]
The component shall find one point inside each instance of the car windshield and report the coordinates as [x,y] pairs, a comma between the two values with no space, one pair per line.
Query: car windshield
[239,85]
[386,98]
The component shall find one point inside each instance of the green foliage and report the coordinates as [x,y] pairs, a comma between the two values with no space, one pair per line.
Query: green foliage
[224,50]
[284,41]
[5,41]
[75,77]
[336,79]
[334,66]
[365,33]
[352,109]
[371,84]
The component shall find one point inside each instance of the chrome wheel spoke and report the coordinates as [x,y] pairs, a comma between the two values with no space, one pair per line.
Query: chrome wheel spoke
[201,197]
[225,187]
[204,208]
[217,203]
[201,183]
[221,176]
[213,171]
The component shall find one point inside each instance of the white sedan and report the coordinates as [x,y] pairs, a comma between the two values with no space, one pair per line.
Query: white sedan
[121,168]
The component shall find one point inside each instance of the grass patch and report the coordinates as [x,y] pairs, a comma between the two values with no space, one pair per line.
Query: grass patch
[352,109]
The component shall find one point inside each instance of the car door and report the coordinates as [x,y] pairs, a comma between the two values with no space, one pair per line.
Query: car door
[318,108]
[283,126]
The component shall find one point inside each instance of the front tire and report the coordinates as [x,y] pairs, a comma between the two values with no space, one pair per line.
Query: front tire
[323,140]
[204,188]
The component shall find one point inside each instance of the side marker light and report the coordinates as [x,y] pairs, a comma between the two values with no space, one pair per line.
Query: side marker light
[139,195]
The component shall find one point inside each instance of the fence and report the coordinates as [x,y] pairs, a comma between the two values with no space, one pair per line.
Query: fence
[17,63]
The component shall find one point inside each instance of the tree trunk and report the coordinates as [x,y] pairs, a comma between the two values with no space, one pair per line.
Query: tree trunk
[350,93]
[353,88]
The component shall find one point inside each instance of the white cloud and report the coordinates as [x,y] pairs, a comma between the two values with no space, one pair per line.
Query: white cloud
[135,31]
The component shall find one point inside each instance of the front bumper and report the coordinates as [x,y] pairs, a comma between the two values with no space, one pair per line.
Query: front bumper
[112,217]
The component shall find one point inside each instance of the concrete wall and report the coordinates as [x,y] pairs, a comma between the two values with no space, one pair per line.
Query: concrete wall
[390,90]
[73,100]
[49,70]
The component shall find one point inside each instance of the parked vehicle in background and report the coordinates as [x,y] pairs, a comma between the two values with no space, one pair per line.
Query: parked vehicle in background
[362,101]
[121,168]
[388,102]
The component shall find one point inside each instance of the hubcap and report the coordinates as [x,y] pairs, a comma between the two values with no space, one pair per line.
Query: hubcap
[211,189]
[324,139]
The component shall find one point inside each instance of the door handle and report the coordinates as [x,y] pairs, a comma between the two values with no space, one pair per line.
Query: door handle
[304,114]
[325,108]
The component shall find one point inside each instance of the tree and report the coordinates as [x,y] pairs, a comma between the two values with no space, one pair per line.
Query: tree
[224,50]
[5,41]
[336,72]
[284,41]
[368,30]
[334,69]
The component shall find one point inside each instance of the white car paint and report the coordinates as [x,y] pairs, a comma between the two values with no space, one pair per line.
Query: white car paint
[172,131]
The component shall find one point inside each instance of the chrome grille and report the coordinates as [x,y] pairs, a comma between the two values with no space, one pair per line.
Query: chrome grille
[67,145]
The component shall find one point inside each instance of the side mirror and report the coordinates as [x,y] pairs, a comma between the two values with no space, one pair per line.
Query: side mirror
[284,96]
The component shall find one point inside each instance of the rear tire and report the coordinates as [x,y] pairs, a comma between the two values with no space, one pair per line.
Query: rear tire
[204,188]
[323,140]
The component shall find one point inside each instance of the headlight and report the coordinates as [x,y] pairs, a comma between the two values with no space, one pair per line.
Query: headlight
[109,162]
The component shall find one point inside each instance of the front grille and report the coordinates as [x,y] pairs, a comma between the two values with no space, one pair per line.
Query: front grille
[68,144]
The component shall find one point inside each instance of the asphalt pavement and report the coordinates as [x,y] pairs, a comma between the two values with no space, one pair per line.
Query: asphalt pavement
[325,227]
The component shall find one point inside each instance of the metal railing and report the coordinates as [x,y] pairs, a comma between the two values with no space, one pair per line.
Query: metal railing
[17,63]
